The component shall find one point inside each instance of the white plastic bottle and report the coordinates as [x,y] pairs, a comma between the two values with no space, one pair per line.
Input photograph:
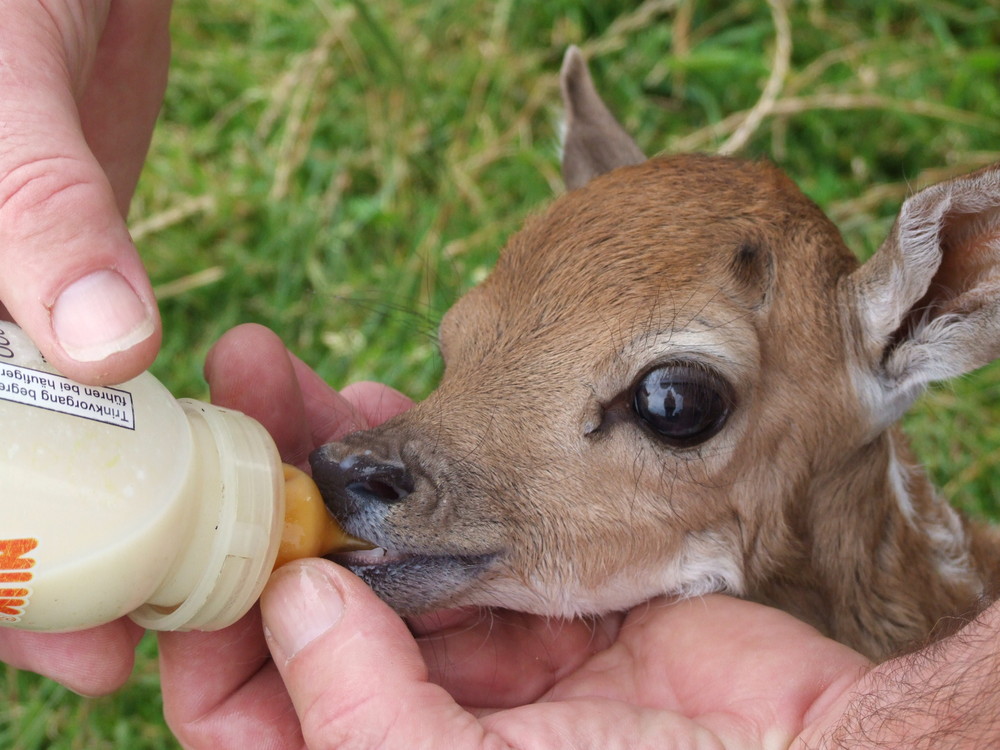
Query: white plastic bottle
[124,500]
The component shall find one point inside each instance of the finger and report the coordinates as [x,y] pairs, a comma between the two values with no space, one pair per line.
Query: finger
[354,673]
[330,415]
[249,369]
[122,97]
[72,277]
[90,662]
[221,689]
[498,658]
[376,402]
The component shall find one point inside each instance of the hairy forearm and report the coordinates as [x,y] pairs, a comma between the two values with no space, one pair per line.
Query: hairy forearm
[945,696]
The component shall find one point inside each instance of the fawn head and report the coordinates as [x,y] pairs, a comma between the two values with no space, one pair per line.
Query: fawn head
[642,396]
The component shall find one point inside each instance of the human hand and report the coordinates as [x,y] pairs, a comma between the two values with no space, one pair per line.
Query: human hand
[90,662]
[712,672]
[80,86]
[344,669]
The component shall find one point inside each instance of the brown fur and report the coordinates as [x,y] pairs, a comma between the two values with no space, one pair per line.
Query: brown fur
[526,479]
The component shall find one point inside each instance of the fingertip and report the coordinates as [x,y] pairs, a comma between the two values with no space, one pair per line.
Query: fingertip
[127,361]
[376,402]
[93,315]
[316,605]
[245,343]
[329,414]
[114,369]
[347,659]
[101,315]
[250,370]
[302,602]
[109,668]
[91,663]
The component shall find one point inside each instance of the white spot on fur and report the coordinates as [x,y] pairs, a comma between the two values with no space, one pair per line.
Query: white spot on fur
[950,546]
[709,563]
[940,523]
[899,484]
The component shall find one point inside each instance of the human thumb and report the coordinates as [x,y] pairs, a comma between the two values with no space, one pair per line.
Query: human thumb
[351,667]
[71,276]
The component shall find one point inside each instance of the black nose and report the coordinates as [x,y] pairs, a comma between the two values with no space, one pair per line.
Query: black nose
[359,480]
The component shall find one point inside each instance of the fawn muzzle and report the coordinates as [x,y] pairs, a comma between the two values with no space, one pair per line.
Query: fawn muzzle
[393,503]
[359,480]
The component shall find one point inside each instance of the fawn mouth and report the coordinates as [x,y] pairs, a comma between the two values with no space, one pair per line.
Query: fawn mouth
[414,582]
[373,556]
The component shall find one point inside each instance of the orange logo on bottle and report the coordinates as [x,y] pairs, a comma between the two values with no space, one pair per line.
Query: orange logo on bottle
[15,568]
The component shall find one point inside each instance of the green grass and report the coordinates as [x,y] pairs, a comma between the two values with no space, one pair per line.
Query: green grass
[342,171]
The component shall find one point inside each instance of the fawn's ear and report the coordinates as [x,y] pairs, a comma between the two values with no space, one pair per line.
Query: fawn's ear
[594,142]
[927,304]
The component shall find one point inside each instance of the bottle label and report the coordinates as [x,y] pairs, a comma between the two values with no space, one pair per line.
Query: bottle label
[15,575]
[46,390]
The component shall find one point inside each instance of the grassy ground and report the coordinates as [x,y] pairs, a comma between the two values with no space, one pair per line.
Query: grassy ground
[341,171]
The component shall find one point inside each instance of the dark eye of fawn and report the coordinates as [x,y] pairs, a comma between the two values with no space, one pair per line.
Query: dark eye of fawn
[683,405]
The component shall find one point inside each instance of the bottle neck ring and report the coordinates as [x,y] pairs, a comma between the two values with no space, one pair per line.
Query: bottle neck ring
[241,505]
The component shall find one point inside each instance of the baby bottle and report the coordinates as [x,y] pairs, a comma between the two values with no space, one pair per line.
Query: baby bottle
[123,500]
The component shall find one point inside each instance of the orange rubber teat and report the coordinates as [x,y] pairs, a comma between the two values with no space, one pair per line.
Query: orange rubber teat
[310,530]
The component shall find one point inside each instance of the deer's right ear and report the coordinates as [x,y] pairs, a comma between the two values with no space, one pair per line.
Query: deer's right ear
[594,142]
[927,305]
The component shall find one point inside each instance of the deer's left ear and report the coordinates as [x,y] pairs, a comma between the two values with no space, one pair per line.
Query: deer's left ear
[927,305]
[594,142]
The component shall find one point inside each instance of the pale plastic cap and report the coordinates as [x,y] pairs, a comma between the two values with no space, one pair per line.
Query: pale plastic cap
[245,541]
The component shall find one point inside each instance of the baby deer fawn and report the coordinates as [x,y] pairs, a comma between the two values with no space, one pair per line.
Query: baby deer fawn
[678,380]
